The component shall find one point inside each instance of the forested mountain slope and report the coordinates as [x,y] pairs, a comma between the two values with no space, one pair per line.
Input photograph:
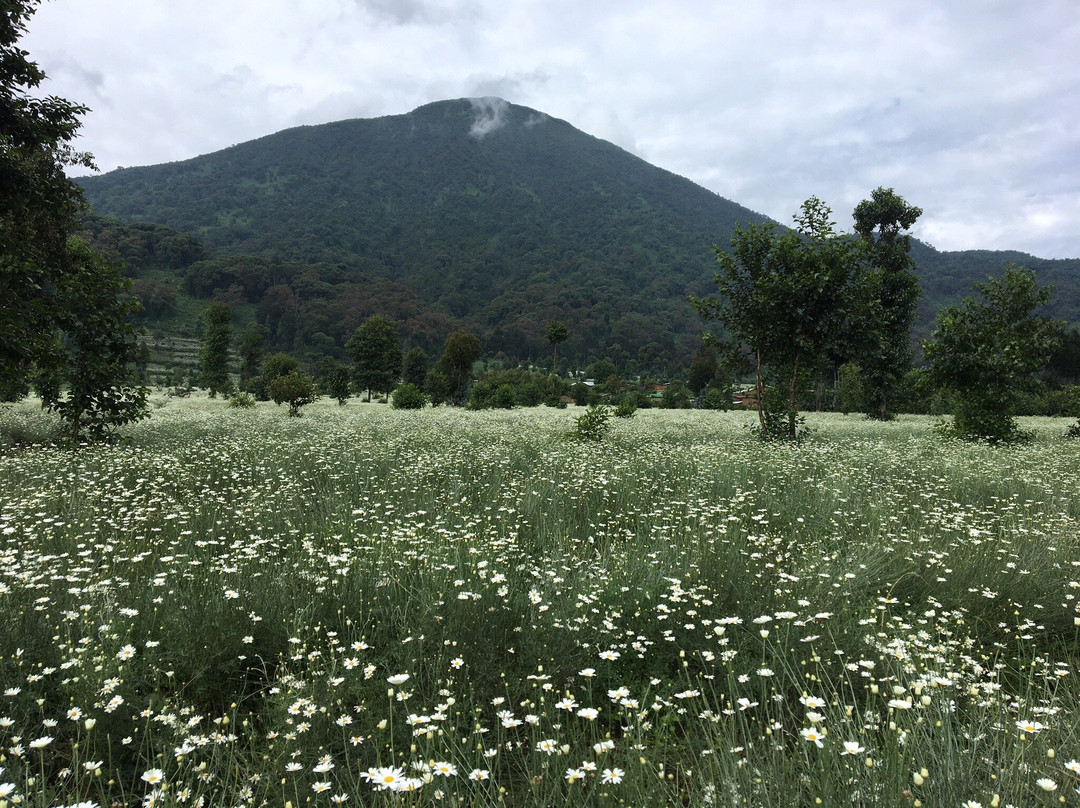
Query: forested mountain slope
[470,213]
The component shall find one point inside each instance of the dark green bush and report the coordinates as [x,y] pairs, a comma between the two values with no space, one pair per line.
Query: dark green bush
[593,425]
[242,400]
[408,397]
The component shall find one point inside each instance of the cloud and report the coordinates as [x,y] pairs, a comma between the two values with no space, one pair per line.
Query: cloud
[491,113]
[413,12]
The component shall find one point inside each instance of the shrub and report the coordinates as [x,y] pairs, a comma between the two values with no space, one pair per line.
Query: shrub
[627,407]
[504,397]
[582,394]
[676,397]
[243,400]
[480,396]
[408,397]
[593,425]
[715,399]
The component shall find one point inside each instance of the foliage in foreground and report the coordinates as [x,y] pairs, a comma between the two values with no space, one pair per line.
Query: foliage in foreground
[593,425]
[786,300]
[987,350]
[468,609]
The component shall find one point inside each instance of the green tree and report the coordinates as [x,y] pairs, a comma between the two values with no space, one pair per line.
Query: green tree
[214,351]
[87,373]
[786,298]
[376,354]
[1064,365]
[295,389]
[850,392]
[439,385]
[416,367]
[278,364]
[251,353]
[274,365]
[557,333]
[334,379]
[987,350]
[890,291]
[462,349]
[601,370]
[39,205]
[703,367]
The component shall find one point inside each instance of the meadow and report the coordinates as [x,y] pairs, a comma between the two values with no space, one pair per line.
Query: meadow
[371,607]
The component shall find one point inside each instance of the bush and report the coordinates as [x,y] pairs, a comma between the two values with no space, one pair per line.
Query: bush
[627,407]
[504,397]
[593,425]
[480,396]
[715,399]
[408,397]
[676,397]
[1073,431]
[243,400]
[295,389]
[1064,402]
[582,394]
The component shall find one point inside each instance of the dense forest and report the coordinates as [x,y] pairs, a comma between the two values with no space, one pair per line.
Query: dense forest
[420,218]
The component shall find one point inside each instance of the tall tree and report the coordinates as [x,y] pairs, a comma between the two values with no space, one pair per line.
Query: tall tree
[87,372]
[703,367]
[214,351]
[251,353]
[891,292]
[557,333]
[462,349]
[786,298]
[39,205]
[334,379]
[416,367]
[986,351]
[376,354]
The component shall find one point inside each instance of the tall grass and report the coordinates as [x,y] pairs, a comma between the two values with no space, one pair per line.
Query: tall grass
[375,606]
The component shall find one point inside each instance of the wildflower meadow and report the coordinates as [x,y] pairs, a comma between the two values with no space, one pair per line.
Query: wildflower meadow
[365,606]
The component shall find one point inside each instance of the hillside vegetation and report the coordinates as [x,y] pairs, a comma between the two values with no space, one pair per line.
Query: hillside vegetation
[469,213]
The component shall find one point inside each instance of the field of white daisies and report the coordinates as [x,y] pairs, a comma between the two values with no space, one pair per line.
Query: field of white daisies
[370,607]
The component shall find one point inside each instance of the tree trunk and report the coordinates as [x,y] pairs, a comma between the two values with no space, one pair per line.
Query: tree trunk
[759,392]
[792,398]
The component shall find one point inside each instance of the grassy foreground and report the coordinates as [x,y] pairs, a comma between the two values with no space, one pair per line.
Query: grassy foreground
[371,607]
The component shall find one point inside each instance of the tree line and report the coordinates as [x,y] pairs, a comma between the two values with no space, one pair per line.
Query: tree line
[794,302]
[791,303]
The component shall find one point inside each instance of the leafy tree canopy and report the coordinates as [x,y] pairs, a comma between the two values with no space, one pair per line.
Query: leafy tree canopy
[890,295]
[87,374]
[295,389]
[461,351]
[39,205]
[214,351]
[786,298]
[987,349]
[375,349]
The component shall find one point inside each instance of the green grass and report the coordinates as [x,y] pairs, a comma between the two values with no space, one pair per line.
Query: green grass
[226,596]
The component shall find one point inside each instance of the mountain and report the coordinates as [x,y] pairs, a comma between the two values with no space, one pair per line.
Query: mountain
[472,213]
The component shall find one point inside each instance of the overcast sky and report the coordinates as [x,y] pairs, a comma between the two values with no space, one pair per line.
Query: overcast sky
[969,109]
